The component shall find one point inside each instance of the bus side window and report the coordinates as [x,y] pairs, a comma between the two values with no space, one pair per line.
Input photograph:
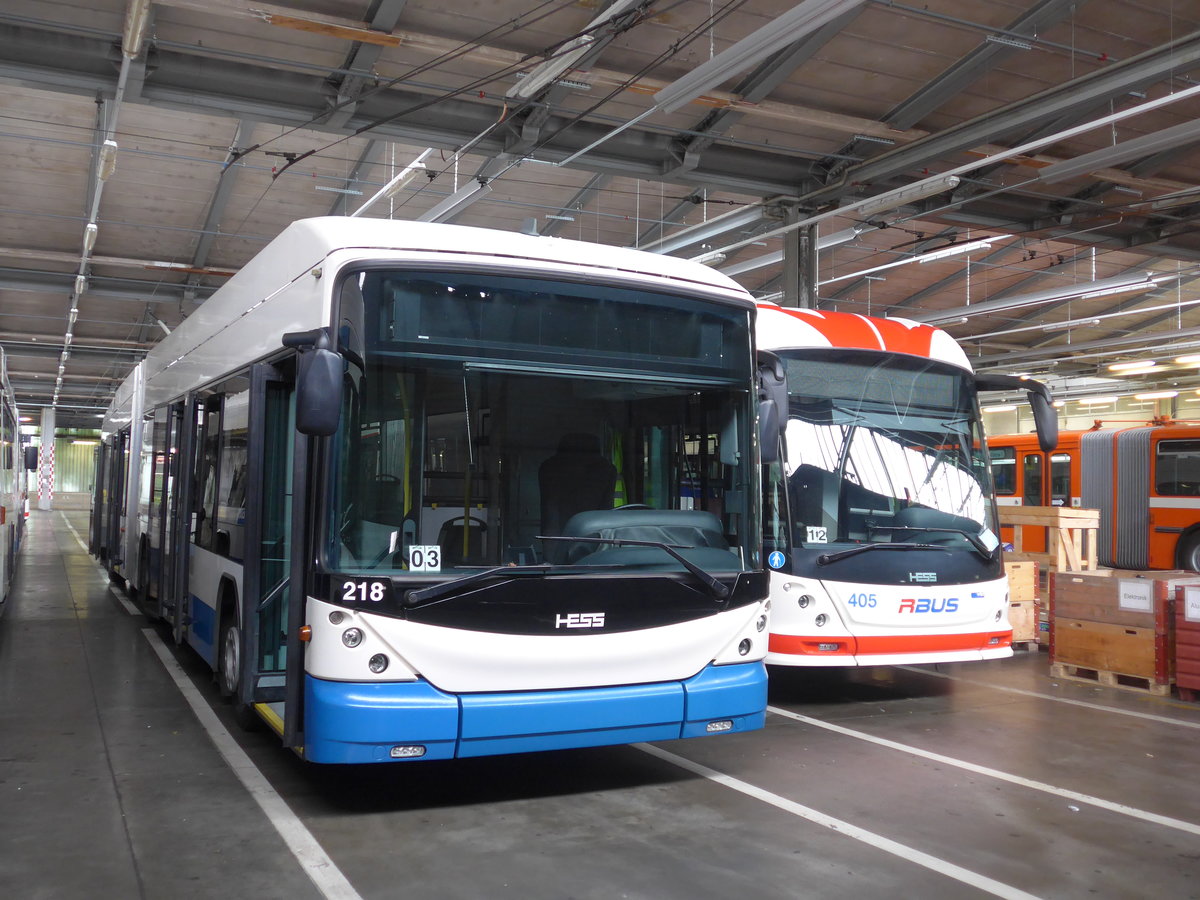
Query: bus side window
[1177,468]
[1031,475]
[207,444]
[1004,469]
[1060,479]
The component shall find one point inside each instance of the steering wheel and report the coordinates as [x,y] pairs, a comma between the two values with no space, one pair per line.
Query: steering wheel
[635,506]
[386,476]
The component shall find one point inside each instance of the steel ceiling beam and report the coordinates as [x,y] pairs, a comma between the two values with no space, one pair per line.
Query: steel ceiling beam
[1173,58]
[759,85]
[956,79]
[52,60]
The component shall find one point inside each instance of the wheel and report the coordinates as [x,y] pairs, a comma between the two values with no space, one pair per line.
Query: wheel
[1189,553]
[229,674]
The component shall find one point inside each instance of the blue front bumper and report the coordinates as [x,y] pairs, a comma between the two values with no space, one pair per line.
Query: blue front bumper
[362,723]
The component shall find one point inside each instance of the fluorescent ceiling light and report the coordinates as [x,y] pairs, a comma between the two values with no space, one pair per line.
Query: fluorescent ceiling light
[783,30]
[541,76]
[566,57]
[338,190]
[1008,41]
[560,218]
[872,139]
[1191,359]
[394,186]
[903,196]
[1131,364]
[108,160]
[1004,408]
[769,259]
[1122,289]
[1146,145]
[1095,401]
[456,202]
[703,231]
[1006,304]
[1156,395]
[925,257]
[1069,323]
[137,17]
[956,249]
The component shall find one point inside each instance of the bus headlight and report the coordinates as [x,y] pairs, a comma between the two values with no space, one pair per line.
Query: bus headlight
[820,620]
[761,623]
[804,600]
[336,617]
[352,637]
[744,646]
[378,663]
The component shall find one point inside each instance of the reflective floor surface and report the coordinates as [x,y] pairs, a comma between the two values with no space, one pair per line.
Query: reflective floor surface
[960,780]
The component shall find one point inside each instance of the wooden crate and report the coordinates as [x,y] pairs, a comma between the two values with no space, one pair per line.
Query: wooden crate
[1022,580]
[1115,624]
[1072,543]
[1022,615]
[1187,642]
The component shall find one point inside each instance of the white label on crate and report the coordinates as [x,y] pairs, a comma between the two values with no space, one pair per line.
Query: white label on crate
[1191,604]
[1136,595]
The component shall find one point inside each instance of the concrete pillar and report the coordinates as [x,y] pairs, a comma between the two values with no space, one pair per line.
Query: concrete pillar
[45,470]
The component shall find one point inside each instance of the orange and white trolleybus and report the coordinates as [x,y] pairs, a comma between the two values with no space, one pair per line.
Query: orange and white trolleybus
[881,530]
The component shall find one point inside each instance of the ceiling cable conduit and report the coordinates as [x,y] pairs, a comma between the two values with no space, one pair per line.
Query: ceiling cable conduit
[953,315]
[137,19]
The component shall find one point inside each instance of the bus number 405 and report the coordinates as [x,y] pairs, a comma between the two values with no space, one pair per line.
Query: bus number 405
[863,600]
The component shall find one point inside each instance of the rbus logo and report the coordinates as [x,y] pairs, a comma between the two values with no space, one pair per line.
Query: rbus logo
[929,605]
[580,620]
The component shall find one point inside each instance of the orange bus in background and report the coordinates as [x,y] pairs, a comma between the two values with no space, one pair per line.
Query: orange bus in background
[1144,479]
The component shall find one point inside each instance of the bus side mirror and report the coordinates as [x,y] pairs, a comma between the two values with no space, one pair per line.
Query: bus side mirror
[772,405]
[1045,419]
[318,392]
[31,458]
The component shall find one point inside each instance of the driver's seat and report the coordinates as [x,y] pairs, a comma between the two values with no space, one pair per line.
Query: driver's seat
[576,478]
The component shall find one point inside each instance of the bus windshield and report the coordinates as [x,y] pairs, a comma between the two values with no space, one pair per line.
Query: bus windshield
[884,448]
[502,420]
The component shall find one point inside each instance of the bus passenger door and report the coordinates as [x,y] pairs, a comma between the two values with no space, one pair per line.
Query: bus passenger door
[272,665]
[171,551]
[181,442]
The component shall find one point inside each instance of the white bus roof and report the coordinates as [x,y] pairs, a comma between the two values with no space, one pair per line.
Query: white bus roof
[240,323]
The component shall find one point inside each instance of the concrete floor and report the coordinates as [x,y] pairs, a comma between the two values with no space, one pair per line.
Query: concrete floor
[960,781]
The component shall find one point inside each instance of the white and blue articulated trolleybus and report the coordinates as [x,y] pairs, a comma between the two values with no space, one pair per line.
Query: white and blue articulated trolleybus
[424,491]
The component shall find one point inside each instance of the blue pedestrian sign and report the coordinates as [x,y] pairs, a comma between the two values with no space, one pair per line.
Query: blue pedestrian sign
[776,560]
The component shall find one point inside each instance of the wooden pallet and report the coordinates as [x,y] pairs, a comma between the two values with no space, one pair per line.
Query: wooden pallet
[1110,679]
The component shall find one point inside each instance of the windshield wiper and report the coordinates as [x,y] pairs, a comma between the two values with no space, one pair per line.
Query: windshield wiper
[714,587]
[826,558]
[447,589]
[973,539]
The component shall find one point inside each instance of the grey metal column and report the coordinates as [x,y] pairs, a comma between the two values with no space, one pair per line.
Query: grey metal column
[799,264]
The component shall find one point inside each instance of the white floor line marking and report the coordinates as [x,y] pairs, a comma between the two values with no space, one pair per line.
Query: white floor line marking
[941,866]
[1133,812]
[1084,703]
[313,859]
[120,595]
